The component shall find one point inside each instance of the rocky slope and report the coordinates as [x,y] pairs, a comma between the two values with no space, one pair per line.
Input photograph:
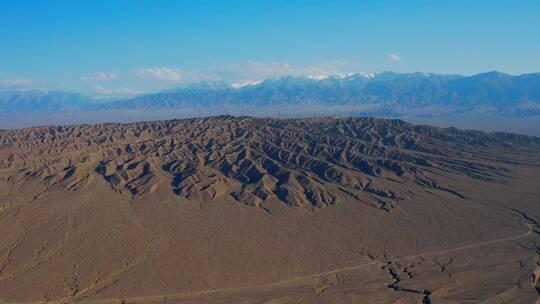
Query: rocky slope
[114,211]
[305,162]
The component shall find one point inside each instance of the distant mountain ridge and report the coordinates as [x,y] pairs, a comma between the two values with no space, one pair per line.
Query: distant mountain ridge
[491,92]
[43,101]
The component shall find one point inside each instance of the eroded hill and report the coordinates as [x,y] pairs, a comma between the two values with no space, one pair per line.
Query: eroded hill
[310,162]
[229,201]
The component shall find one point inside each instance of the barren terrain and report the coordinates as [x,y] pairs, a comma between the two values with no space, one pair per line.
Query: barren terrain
[250,210]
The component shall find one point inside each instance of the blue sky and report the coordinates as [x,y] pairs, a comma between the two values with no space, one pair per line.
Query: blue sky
[108,48]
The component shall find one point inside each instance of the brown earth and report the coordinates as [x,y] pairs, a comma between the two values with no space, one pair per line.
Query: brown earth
[246,210]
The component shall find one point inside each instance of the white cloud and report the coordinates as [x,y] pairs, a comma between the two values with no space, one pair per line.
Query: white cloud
[16,83]
[245,73]
[102,90]
[100,76]
[123,91]
[252,71]
[393,58]
[160,73]
[240,74]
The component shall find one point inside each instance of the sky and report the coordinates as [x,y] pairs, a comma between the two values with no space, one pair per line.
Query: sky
[119,48]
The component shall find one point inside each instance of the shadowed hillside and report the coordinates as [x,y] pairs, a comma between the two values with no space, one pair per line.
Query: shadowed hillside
[160,209]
